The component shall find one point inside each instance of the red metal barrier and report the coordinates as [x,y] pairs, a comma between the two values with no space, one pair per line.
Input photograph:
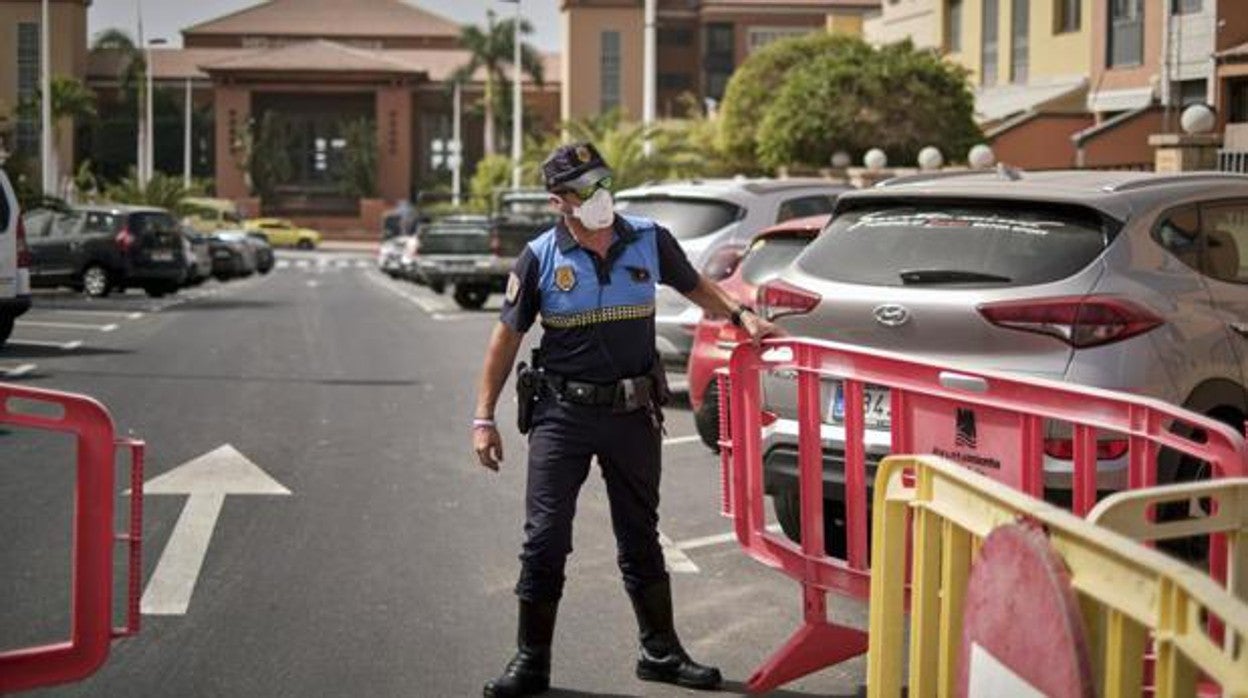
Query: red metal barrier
[91,594]
[931,406]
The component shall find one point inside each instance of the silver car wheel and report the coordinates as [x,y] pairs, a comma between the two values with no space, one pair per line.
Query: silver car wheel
[95,281]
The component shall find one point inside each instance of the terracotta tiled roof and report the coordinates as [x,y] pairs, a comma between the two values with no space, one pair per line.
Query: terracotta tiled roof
[317,55]
[329,18]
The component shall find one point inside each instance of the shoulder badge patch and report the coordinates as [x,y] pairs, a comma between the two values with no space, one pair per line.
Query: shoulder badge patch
[582,154]
[513,287]
[565,278]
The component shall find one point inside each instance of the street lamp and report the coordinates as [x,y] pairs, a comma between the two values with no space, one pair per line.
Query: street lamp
[517,110]
[47,159]
[148,138]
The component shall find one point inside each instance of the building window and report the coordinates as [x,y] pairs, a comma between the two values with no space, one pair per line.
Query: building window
[1126,33]
[953,27]
[1192,92]
[719,58]
[1019,30]
[1237,96]
[609,89]
[988,45]
[758,37]
[1067,16]
[674,37]
[27,136]
[675,81]
[1183,7]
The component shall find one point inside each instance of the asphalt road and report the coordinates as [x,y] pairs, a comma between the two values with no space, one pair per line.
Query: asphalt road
[388,569]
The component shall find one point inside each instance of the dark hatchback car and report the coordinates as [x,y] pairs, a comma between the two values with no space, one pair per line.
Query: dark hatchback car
[99,249]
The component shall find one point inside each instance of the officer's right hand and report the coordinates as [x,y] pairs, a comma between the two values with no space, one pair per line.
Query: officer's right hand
[489,446]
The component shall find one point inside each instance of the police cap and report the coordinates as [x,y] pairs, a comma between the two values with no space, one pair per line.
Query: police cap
[574,166]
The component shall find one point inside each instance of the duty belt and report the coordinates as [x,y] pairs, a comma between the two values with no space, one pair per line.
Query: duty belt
[627,394]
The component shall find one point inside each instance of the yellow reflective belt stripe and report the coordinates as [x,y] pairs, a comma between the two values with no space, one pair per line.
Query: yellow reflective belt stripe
[599,315]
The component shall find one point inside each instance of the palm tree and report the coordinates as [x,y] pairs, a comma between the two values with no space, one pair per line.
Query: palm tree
[130,58]
[492,51]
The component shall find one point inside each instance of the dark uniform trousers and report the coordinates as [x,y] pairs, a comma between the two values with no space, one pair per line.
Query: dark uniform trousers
[562,442]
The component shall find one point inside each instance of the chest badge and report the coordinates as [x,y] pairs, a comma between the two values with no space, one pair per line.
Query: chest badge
[639,274]
[565,278]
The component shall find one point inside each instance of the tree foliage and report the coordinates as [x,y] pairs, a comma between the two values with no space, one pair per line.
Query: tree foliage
[162,190]
[70,100]
[359,166]
[798,101]
[492,50]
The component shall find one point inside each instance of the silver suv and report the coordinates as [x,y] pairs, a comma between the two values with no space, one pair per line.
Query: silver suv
[1126,281]
[714,220]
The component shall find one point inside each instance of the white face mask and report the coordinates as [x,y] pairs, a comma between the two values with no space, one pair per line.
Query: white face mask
[598,211]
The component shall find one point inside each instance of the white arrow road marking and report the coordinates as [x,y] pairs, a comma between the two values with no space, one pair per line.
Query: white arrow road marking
[207,479]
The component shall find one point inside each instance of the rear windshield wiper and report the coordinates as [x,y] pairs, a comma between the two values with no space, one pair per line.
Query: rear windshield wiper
[948,276]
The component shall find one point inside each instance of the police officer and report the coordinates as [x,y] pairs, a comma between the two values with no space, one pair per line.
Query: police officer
[596,392]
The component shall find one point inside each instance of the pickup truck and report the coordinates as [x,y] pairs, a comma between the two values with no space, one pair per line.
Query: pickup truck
[475,253]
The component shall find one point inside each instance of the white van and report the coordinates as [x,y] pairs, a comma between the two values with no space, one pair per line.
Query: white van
[14,261]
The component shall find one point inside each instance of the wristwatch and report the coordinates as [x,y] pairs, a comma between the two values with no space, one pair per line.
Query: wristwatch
[741,310]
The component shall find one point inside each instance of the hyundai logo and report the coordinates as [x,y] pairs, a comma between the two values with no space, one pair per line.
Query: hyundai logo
[892,315]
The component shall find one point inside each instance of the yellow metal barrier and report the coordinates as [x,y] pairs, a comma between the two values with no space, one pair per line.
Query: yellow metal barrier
[1128,593]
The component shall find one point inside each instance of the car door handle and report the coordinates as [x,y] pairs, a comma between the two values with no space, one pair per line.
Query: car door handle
[1240,328]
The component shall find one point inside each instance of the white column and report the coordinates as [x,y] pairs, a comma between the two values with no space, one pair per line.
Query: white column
[47,162]
[148,138]
[517,104]
[186,139]
[140,135]
[457,162]
[648,77]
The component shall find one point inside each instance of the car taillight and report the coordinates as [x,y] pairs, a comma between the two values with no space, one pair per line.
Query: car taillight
[723,262]
[1064,449]
[124,240]
[766,418]
[23,250]
[779,298]
[1079,321]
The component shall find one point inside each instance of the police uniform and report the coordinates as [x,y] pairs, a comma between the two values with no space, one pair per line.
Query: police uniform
[598,320]
[598,341]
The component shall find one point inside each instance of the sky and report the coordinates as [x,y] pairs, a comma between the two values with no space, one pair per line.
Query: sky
[166,18]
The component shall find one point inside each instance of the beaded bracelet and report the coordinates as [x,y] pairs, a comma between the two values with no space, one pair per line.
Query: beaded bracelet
[483,423]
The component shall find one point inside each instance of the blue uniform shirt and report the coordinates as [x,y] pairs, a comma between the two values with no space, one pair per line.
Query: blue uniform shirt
[597,314]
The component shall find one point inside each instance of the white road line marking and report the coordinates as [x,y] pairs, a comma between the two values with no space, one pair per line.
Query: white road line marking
[65,325]
[414,300]
[362,264]
[313,284]
[303,262]
[677,561]
[134,316]
[677,440]
[69,311]
[19,370]
[283,263]
[717,539]
[448,317]
[37,343]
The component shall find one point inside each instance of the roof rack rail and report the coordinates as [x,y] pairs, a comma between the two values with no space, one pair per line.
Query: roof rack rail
[1145,182]
[928,177]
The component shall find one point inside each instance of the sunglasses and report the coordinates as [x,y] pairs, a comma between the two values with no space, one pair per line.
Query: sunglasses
[586,192]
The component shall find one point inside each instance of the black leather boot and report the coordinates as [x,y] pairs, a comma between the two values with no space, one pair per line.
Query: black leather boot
[528,672]
[661,656]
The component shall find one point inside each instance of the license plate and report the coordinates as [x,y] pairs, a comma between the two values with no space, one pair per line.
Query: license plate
[160,256]
[875,411]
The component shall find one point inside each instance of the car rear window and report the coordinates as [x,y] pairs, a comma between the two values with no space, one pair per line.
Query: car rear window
[100,222]
[685,218]
[958,245]
[146,223]
[456,229]
[768,256]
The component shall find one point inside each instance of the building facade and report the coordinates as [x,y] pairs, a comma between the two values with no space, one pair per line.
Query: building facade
[20,68]
[699,43]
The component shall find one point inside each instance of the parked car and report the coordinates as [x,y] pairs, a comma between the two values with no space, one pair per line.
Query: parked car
[233,256]
[476,253]
[101,248]
[14,261]
[768,254]
[208,215]
[1125,281]
[397,227]
[713,220]
[265,259]
[198,256]
[281,232]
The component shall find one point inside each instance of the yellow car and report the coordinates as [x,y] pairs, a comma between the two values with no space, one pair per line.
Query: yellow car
[283,233]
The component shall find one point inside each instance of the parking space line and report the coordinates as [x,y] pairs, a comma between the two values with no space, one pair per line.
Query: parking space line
[66,325]
[67,346]
[677,561]
[127,314]
[677,440]
[18,371]
[717,539]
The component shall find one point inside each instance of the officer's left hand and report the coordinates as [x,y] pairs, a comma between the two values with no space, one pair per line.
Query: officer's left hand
[757,327]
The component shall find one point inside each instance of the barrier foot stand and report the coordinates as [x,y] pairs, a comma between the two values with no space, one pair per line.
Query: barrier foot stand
[818,644]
